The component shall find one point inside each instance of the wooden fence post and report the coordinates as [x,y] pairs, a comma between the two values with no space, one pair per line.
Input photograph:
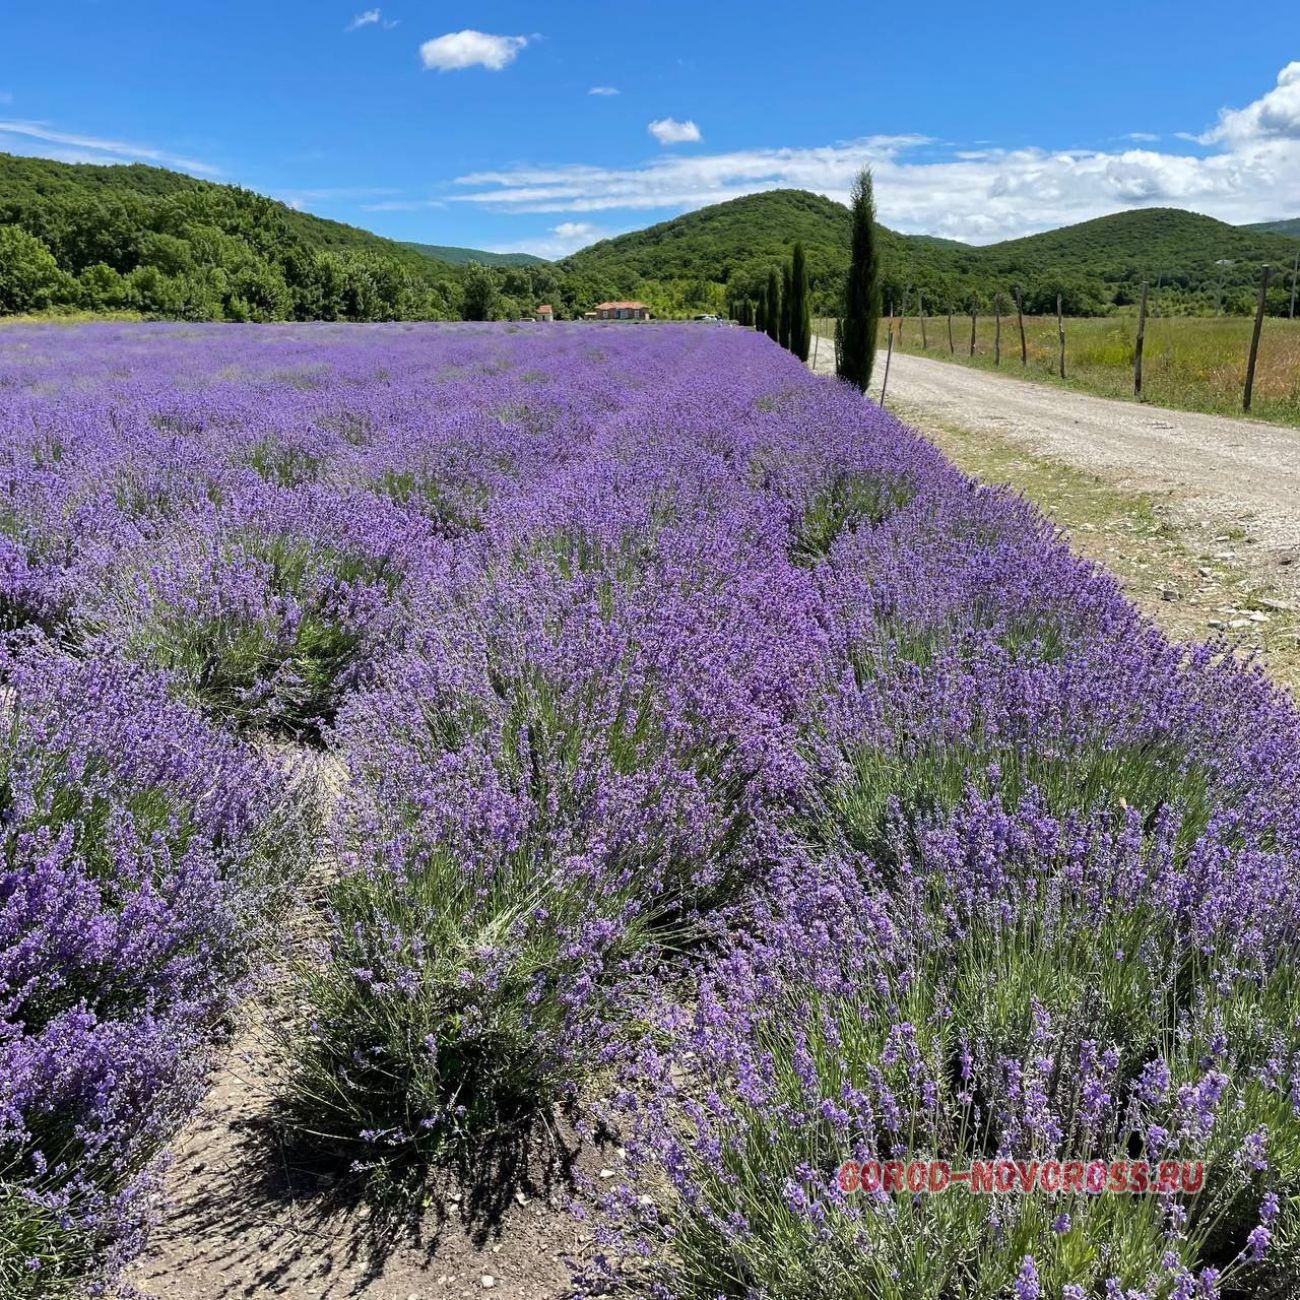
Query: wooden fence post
[1141,339]
[997,329]
[1254,339]
[884,383]
[952,347]
[1060,333]
[973,310]
[1020,318]
[920,311]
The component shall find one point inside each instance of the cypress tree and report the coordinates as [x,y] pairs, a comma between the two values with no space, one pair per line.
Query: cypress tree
[773,314]
[760,312]
[787,294]
[800,307]
[862,289]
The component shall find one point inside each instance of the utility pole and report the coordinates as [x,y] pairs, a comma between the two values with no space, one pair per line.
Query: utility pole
[1294,271]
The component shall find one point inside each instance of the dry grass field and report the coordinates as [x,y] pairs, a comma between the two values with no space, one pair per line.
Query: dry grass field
[1190,363]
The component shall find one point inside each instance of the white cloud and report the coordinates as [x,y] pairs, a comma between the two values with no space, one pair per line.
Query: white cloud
[1142,137]
[679,182]
[88,148]
[367,19]
[470,49]
[1251,172]
[577,233]
[559,241]
[603,90]
[1274,116]
[668,130]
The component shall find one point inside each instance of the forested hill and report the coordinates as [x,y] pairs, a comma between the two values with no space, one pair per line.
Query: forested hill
[1095,265]
[137,238]
[131,237]
[464,256]
[728,243]
[1290,227]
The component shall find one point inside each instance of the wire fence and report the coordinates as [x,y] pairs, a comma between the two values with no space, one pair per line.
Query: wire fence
[1223,364]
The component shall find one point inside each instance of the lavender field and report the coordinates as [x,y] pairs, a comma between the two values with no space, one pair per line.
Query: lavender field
[724,770]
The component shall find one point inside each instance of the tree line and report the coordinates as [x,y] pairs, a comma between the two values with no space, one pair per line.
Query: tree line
[783,308]
[143,239]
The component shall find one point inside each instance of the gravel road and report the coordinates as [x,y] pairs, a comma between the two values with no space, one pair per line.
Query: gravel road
[1234,471]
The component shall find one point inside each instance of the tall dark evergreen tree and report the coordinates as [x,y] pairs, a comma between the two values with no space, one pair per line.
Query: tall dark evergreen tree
[800,307]
[862,288]
[787,293]
[773,307]
[760,312]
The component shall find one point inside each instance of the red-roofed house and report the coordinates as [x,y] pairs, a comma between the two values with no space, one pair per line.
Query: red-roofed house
[544,312]
[622,311]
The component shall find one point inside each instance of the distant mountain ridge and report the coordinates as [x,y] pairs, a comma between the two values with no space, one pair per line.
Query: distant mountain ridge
[1288,227]
[134,237]
[1094,264]
[464,256]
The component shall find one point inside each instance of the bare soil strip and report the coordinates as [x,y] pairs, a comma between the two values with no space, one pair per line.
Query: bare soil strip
[244,1214]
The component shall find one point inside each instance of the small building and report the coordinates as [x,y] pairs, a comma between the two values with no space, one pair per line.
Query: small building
[590,315]
[544,312]
[622,311]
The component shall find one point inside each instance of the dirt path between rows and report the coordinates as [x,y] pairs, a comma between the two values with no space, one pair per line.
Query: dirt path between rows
[247,1216]
[1198,515]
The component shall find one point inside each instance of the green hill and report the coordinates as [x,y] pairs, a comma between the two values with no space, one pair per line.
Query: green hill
[29,183]
[138,238]
[1095,265]
[730,243]
[142,238]
[464,256]
[1291,227]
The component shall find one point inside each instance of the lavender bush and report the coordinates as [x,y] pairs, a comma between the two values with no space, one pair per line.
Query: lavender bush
[140,850]
[721,762]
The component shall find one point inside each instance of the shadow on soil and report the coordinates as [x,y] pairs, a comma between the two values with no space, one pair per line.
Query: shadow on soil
[287,1213]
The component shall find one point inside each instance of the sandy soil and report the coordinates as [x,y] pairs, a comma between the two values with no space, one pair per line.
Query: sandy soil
[1215,470]
[244,1214]
[248,1216]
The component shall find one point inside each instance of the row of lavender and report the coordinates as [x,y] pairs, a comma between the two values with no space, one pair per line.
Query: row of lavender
[723,764]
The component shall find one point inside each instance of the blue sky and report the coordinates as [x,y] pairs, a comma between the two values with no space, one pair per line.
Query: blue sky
[545,126]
